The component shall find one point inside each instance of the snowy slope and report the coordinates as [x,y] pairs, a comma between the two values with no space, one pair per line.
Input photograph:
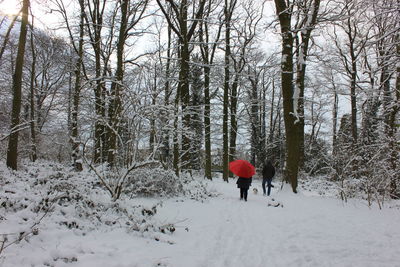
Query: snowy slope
[304,230]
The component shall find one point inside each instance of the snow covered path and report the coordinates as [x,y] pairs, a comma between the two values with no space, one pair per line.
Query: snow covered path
[226,232]
[307,231]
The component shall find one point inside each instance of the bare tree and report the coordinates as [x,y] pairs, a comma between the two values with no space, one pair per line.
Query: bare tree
[12,152]
[76,92]
[33,153]
[284,11]
[228,12]
[208,48]
[178,21]
[305,24]
[131,14]
[298,37]
[167,93]
[94,17]
[386,25]
[350,54]
[79,74]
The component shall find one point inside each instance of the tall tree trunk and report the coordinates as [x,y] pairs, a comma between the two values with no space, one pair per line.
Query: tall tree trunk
[167,91]
[254,115]
[185,99]
[228,10]
[353,82]
[300,77]
[95,20]
[33,152]
[234,125]
[177,145]
[76,94]
[271,116]
[387,97]
[394,146]
[263,119]
[303,45]
[197,126]
[208,58]
[176,160]
[291,125]
[207,122]
[256,139]
[334,114]
[99,131]
[12,151]
[115,109]
[353,101]
[179,25]
[152,139]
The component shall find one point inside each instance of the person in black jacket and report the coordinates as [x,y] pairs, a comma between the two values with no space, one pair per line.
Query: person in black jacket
[268,173]
[243,184]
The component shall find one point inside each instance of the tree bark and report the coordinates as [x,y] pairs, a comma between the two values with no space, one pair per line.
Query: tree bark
[394,146]
[291,126]
[255,123]
[272,122]
[334,114]
[353,79]
[176,159]
[12,151]
[115,108]
[167,91]
[234,126]
[76,94]
[33,152]
[207,123]
[225,130]
[184,88]
[179,25]
[310,18]
[96,21]
[208,58]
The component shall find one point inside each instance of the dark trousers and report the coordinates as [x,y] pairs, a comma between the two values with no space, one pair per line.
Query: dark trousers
[269,185]
[243,193]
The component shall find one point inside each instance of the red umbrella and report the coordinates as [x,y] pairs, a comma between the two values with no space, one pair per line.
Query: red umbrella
[242,168]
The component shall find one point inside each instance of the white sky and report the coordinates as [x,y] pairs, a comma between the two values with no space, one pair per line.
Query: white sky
[9,7]
[38,7]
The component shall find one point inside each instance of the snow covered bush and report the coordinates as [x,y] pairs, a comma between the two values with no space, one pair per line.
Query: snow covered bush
[316,156]
[319,185]
[155,182]
[47,195]
[158,182]
[367,167]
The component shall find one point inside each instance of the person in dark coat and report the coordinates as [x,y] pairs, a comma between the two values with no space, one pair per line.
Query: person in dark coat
[268,173]
[244,185]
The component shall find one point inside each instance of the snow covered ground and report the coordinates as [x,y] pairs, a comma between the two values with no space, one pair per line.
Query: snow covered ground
[303,230]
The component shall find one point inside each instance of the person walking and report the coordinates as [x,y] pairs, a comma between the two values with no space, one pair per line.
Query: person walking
[268,173]
[244,185]
[245,170]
